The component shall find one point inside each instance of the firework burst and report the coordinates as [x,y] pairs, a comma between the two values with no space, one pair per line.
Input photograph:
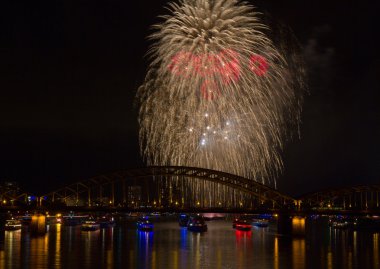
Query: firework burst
[218,93]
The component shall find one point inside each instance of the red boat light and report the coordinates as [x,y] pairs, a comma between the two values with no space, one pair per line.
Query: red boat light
[243,225]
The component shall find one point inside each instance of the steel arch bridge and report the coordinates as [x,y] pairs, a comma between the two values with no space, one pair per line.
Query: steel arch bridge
[12,195]
[362,197]
[169,186]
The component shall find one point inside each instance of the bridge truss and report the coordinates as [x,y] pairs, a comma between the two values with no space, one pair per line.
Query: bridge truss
[348,198]
[169,186]
[189,187]
[12,195]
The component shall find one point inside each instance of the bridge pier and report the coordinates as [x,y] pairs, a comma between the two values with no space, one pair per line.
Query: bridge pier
[291,225]
[38,225]
[112,194]
[284,224]
[89,197]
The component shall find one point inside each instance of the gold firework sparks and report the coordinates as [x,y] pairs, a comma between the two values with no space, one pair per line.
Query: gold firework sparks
[218,93]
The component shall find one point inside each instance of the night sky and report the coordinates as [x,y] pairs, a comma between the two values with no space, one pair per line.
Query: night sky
[70,71]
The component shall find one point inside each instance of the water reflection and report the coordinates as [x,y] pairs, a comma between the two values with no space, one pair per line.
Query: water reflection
[38,251]
[376,250]
[183,245]
[12,246]
[89,242]
[276,254]
[145,248]
[107,246]
[172,247]
[57,256]
[298,253]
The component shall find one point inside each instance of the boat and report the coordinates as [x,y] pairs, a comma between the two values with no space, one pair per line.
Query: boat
[339,224]
[26,219]
[72,220]
[243,219]
[197,224]
[59,218]
[155,214]
[90,225]
[132,215]
[144,224]
[262,223]
[183,220]
[367,224]
[234,222]
[243,225]
[12,225]
[50,220]
[106,222]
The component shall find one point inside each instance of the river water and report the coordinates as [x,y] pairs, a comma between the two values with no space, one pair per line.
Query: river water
[170,247]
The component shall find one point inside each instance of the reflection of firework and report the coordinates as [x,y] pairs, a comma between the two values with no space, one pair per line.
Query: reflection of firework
[218,94]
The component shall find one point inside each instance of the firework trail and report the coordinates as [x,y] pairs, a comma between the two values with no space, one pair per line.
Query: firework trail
[218,93]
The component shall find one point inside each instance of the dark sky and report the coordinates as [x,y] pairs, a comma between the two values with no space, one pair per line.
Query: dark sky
[70,70]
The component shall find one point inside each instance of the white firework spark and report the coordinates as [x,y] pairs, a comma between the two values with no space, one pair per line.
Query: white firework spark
[218,94]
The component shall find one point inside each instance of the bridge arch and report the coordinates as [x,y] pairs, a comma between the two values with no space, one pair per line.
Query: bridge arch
[219,185]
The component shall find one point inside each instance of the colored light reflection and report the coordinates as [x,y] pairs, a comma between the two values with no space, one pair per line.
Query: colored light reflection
[145,247]
[276,254]
[12,246]
[39,247]
[242,236]
[298,253]
[376,250]
[58,246]
[183,237]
